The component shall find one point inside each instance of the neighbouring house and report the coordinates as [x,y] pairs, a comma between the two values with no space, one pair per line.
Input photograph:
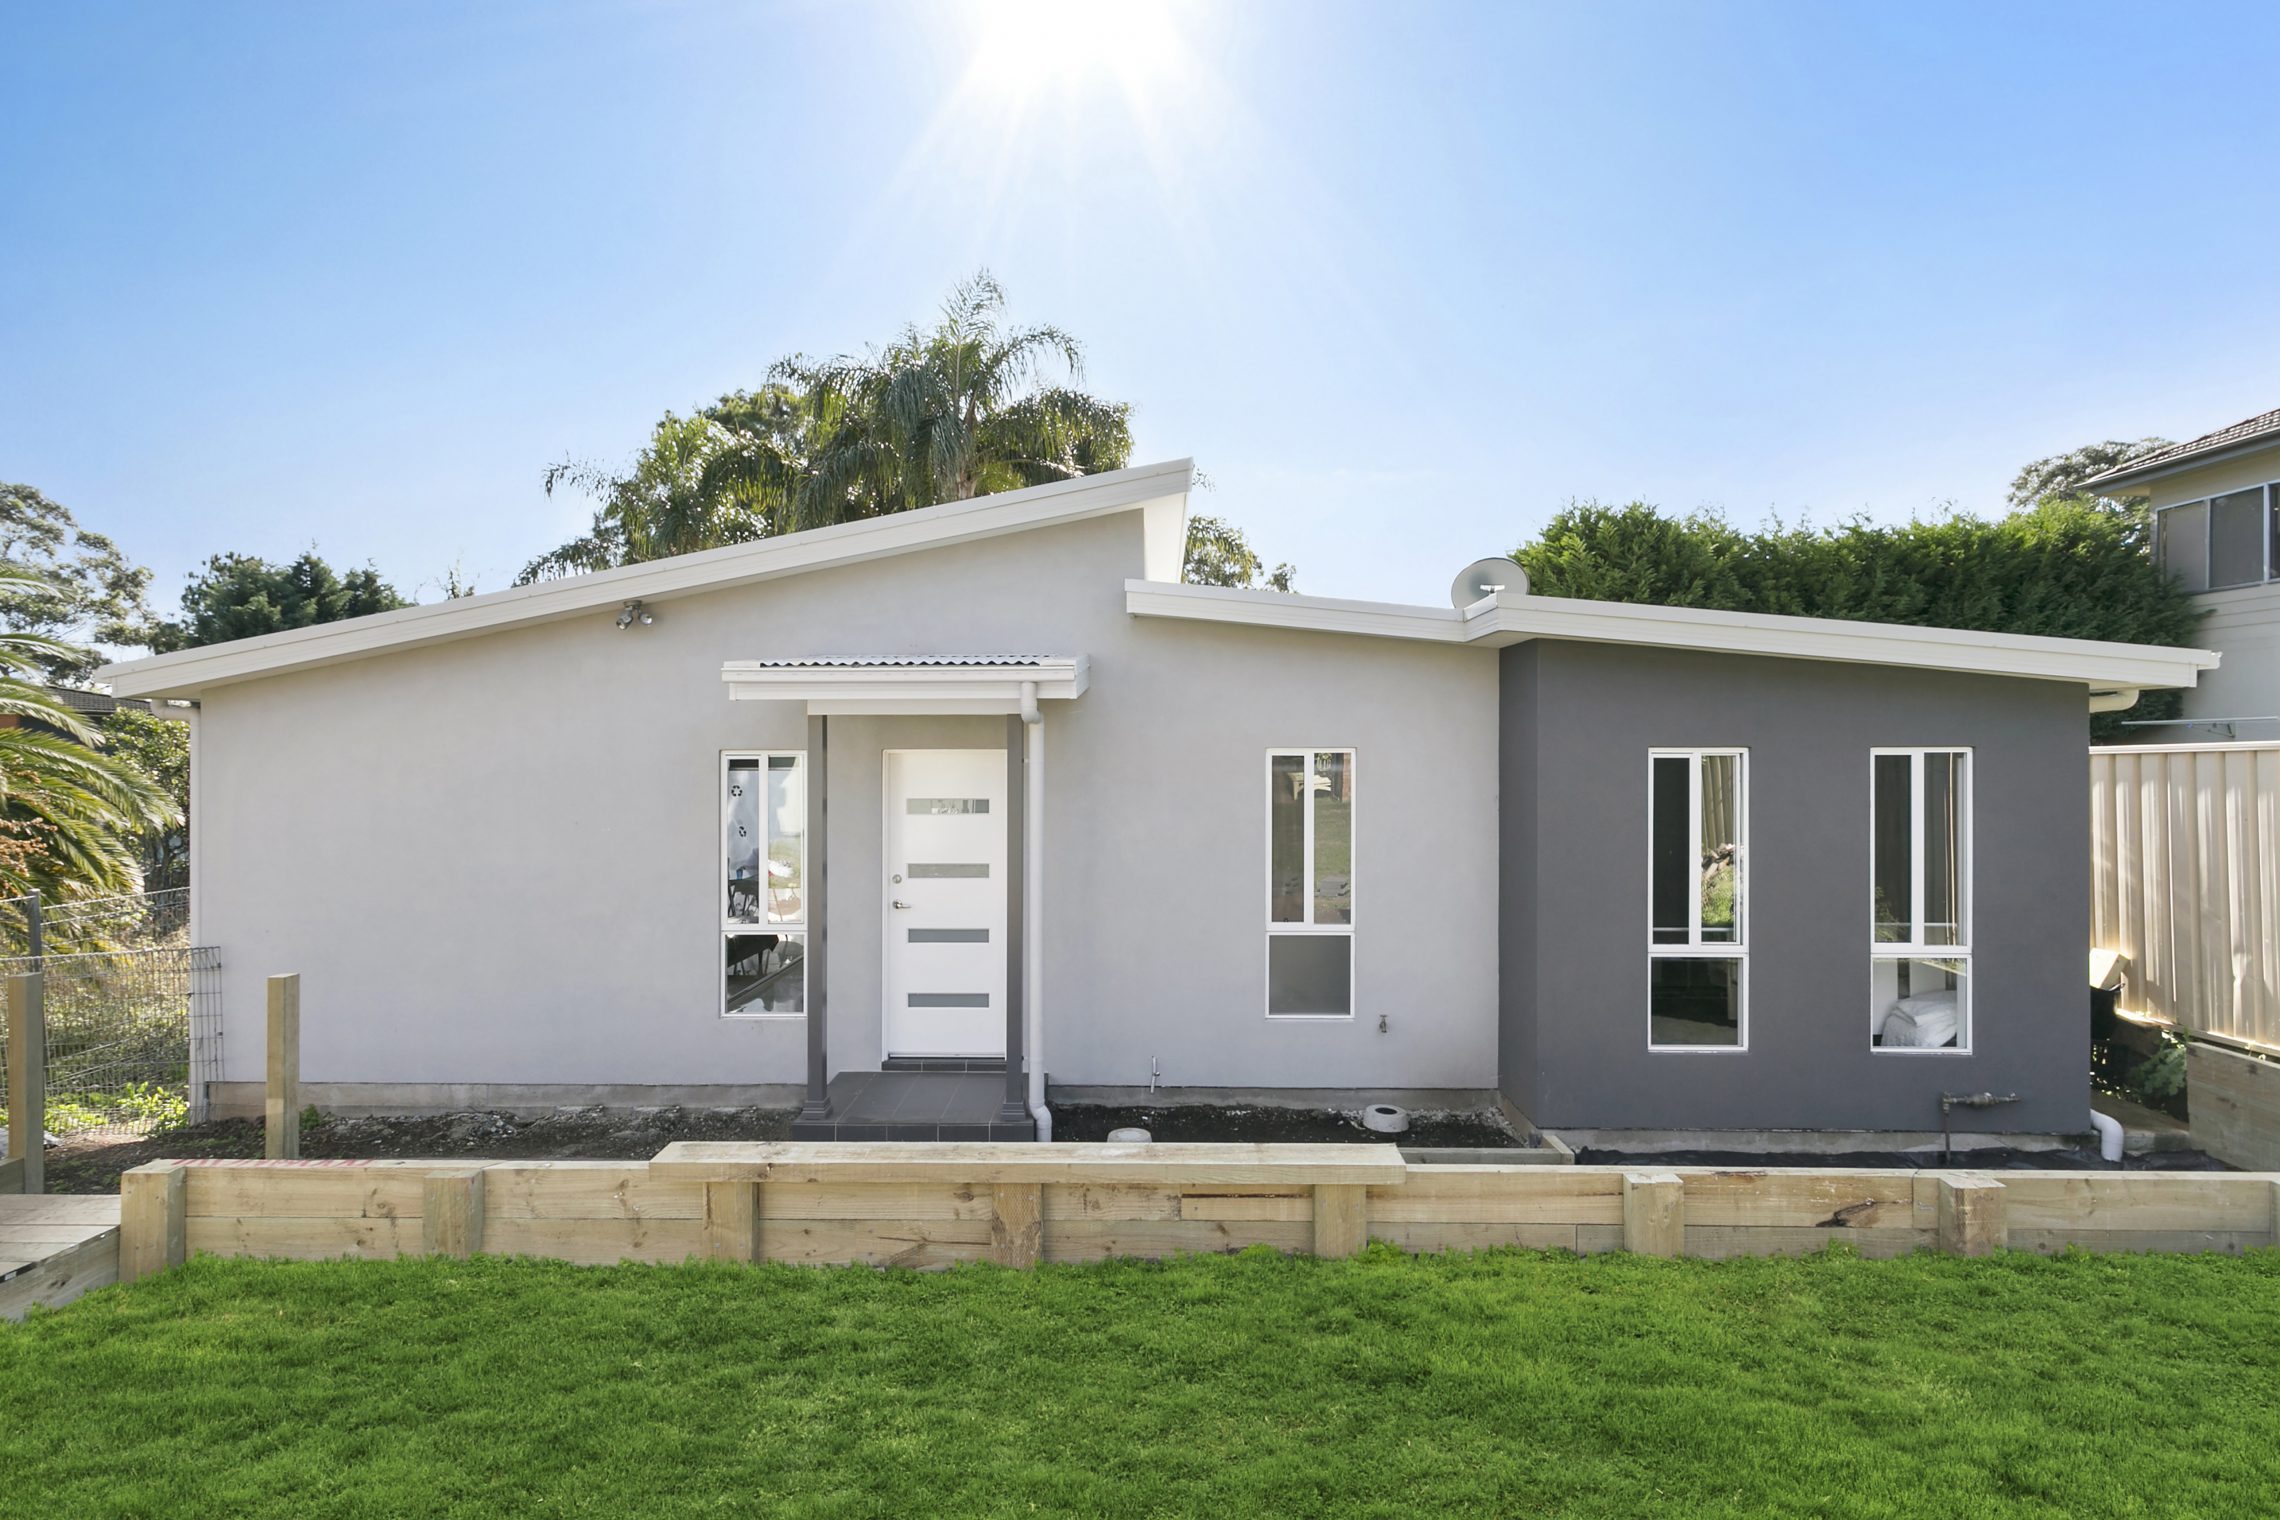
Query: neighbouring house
[963,799]
[2215,502]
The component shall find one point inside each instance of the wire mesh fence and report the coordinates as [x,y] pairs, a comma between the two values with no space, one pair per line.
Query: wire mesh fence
[133,1029]
[141,921]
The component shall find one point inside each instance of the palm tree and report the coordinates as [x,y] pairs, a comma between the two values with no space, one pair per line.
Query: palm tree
[940,414]
[71,817]
[951,413]
[664,505]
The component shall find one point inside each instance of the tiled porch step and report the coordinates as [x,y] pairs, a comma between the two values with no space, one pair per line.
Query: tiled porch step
[916,1105]
[943,1063]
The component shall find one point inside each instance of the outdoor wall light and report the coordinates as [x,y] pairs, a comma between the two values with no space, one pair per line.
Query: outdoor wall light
[633,612]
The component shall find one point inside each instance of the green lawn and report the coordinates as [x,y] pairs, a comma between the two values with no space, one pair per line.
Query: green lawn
[1505,1384]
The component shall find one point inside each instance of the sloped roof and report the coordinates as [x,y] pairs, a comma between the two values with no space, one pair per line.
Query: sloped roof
[1161,492]
[2250,432]
[1160,489]
[1515,616]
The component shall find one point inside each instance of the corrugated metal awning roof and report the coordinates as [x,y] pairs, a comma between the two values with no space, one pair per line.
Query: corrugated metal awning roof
[902,661]
[910,684]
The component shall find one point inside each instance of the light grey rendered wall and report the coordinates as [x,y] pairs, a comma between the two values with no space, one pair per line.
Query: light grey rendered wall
[1579,723]
[496,860]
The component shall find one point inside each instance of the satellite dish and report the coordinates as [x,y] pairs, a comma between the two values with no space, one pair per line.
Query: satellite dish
[1487,577]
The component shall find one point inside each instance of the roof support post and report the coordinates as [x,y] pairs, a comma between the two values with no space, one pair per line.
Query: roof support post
[818,1102]
[1015,1108]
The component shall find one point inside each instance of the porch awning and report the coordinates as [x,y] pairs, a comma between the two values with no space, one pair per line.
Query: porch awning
[912,684]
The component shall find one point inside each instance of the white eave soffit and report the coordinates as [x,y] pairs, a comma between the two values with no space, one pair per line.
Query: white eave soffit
[1516,617]
[908,688]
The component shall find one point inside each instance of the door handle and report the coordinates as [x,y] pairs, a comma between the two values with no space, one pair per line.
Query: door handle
[900,903]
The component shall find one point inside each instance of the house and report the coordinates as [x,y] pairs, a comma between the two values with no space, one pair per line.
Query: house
[874,816]
[2214,501]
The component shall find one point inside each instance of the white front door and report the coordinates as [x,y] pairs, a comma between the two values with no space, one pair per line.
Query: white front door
[945,894]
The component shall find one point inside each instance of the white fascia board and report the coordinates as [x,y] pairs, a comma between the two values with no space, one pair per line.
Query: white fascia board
[2096,664]
[1279,609]
[907,689]
[1163,555]
[1514,618]
[1160,488]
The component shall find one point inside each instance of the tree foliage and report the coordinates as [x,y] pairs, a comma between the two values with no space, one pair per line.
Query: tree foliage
[238,596]
[72,818]
[76,587]
[1219,555]
[2065,474]
[159,747]
[2067,566]
[966,407]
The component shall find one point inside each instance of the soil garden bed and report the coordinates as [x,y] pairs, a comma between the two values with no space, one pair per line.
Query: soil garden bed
[565,1134]
[1990,1160]
[1211,1122]
[621,1135]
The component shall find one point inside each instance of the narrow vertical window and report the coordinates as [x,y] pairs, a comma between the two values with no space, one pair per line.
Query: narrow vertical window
[764,885]
[1697,900]
[2272,532]
[2236,538]
[2181,544]
[1310,883]
[1920,900]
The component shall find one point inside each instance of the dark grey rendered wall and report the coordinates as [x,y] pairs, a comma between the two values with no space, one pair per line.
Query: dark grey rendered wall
[1578,723]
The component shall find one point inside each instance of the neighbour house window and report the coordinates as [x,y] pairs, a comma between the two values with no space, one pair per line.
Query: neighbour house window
[1310,883]
[2222,541]
[763,815]
[1698,907]
[1920,900]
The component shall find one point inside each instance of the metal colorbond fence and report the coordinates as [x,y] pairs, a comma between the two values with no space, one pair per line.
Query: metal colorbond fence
[2185,881]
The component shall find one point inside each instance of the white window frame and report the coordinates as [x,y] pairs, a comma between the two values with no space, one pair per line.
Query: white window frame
[2265,576]
[730,929]
[1914,949]
[1695,948]
[1308,925]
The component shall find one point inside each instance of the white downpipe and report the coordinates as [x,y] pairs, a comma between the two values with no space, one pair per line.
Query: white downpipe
[1033,906]
[2109,1131]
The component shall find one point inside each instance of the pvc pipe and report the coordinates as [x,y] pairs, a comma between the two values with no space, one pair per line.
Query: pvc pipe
[1033,906]
[2109,1131]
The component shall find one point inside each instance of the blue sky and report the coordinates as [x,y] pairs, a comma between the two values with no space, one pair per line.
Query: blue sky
[1402,279]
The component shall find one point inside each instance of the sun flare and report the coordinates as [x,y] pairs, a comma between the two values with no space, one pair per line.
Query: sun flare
[1022,46]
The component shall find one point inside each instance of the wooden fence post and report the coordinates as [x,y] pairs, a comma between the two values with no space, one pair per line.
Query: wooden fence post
[732,1220]
[1017,1224]
[1341,1218]
[281,1126]
[1654,1213]
[451,1212]
[1971,1215]
[27,1080]
[153,1202]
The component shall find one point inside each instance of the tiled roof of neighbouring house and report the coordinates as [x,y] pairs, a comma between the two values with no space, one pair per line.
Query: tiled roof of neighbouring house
[94,703]
[2252,430]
